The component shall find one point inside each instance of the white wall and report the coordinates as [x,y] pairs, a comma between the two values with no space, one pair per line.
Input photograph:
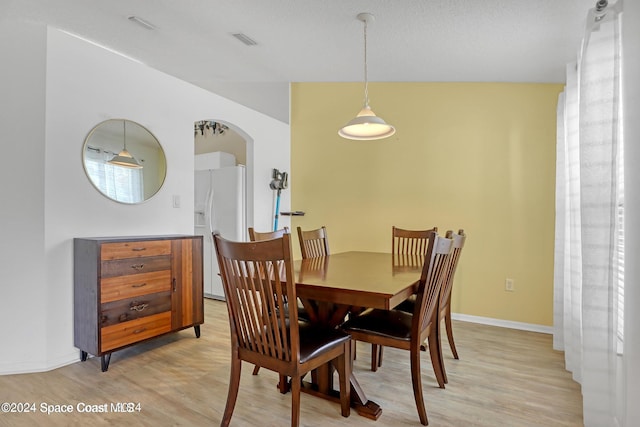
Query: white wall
[631,91]
[85,85]
[22,135]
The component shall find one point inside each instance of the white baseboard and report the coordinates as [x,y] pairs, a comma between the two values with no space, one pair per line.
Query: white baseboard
[38,366]
[503,323]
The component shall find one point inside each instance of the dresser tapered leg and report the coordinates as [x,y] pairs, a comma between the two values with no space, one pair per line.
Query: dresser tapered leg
[83,356]
[106,358]
[197,329]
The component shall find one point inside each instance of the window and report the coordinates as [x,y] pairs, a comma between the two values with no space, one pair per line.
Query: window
[118,182]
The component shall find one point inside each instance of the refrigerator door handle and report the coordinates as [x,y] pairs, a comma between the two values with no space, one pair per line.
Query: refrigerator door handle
[209,216]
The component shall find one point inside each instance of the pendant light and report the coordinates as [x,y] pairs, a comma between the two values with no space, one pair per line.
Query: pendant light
[124,158]
[366,125]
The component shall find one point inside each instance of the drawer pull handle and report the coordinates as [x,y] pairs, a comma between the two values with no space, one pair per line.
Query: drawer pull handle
[137,331]
[137,266]
[139,285]
[139,307]
[138,249]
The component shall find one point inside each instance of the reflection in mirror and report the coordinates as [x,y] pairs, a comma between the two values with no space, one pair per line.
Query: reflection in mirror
[124,161]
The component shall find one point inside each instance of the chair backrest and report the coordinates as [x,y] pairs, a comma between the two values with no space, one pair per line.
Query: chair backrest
[256,236]
[434,270]
[410,242]
[313,243]
[447,286]
[409,246]
[257,280]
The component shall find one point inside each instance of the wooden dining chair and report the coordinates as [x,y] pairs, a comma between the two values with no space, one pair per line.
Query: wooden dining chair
[408,248]
[444,310]
[313,243]
[257,278]
[409,242]
[398,329]
[256,236]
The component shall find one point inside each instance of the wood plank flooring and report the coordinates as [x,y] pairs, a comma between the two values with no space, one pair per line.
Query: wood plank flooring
[504,377]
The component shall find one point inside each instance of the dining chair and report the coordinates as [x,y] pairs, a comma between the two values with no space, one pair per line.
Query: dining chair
[409,242]
[256,236]
[313,243]
[398,329]
[444,311]
[257,278]
[408,248]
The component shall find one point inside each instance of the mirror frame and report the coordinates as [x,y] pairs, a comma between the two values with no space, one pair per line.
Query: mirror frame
[151,139]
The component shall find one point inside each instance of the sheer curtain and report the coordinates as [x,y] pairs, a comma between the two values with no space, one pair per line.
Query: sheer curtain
[588,195]
[120,183]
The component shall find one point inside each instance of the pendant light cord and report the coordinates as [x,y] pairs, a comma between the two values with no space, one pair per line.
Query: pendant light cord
[366,80]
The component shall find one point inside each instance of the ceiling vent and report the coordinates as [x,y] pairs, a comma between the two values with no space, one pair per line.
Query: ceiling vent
[144,24]
[245,39]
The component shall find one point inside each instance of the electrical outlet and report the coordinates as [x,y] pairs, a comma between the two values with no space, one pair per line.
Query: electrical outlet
[508,285]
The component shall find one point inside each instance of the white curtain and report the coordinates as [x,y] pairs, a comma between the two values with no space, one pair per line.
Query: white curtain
[120,183]
[588,195]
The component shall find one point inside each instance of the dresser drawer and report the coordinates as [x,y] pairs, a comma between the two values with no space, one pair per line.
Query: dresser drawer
[125,310]
[121,267]
[134,285]
[143,248]
[135,330]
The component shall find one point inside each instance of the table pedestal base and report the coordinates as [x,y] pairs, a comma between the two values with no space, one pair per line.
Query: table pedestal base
[369,409]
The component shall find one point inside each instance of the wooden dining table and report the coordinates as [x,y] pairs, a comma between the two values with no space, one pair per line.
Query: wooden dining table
[332,286]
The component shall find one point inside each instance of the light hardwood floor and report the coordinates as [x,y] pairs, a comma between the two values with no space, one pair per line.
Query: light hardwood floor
[504,377]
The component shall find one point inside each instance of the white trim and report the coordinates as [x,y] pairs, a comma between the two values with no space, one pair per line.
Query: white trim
[503,323]
[39,366]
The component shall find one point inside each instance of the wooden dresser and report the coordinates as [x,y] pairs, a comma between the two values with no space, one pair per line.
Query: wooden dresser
[130,289]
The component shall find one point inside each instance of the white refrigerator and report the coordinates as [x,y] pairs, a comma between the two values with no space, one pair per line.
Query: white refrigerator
[219,207]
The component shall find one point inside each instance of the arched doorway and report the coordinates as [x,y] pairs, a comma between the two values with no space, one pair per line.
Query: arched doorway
[221,193]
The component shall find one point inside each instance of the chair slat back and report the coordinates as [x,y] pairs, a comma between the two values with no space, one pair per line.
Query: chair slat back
[458,243]
[313,243]
[256,236]
[436,264]
[409,246]
[257,281]
[410,242]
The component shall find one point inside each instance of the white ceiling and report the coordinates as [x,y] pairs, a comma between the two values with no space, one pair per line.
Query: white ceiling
[321,40]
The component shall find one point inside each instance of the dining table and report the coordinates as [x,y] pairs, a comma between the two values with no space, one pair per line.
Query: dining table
[334,286]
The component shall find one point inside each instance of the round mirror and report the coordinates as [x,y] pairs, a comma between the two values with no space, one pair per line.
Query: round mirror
[124,161]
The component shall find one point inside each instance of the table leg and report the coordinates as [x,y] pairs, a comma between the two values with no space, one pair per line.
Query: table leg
[323,387]
[365,407]
[321,384]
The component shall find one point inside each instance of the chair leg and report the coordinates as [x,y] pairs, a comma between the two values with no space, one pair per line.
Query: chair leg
[447,323]
[353,349]
[295,402]
[234,385]
[374,357]
[283,384]
[417,385]
[256,369]
[344,365]
[436,361]
[380,356]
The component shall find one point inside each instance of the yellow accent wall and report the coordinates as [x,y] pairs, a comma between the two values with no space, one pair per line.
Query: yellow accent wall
[477,156]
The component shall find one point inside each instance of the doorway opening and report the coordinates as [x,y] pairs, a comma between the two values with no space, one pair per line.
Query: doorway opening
[221,193]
